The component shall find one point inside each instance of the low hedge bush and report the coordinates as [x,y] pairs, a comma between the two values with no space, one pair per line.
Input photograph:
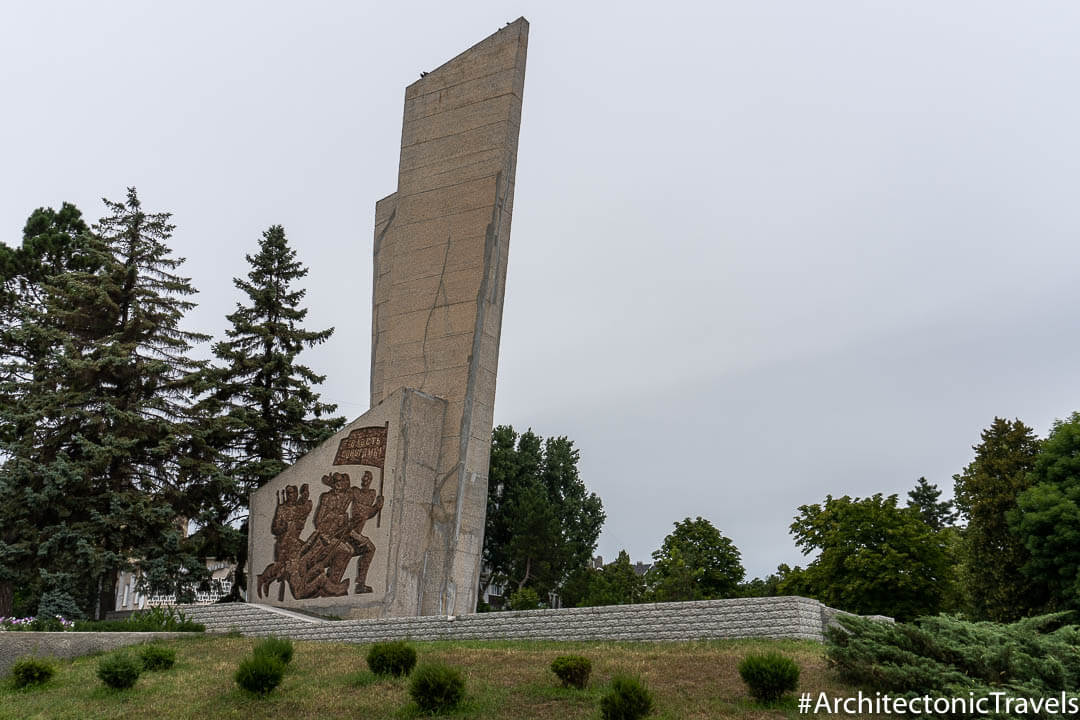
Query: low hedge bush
[259,674]
[1036,656]
[31,671]
[573,670]
[769,676]
[626,699]
[157,657]
[119,671]
[437,688]
[156,619]
[391,658]
[281,648]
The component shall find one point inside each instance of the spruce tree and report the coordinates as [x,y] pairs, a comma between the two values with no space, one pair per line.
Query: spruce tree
[147,379]
[267,412]
[924,498]
[96,395]
[993,553]
[149,372]
[53,309]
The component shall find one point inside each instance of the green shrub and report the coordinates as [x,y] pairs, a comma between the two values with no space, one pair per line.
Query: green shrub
[525,599]
[437,688]
[156,619]
[259,674]
[391,658]
[943,654]
[769,676]
[119,671]
[165,619]
[157,657]
[627,699]
[54,624]
[31,671]
[281,648]
[55,603]
[47,623]
[573,670]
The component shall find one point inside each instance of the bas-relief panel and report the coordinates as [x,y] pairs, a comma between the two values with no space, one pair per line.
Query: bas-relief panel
[313,554]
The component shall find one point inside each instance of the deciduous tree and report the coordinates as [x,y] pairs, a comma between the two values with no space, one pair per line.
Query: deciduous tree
[874,557]
[542,522]
[695,562]
[1047,516]
[616,583]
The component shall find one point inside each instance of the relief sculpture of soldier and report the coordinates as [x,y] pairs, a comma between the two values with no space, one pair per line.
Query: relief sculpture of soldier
[338,536]
[316,567]
[289,517]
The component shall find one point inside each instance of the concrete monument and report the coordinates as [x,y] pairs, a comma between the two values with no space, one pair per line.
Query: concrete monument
[386,518]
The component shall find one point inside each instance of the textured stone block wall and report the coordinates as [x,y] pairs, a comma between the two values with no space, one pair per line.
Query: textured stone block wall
[782,617]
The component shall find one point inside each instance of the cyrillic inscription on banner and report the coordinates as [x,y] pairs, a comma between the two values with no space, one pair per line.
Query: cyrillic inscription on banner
[363,446]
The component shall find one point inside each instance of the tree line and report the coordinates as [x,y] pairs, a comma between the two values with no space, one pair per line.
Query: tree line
[542,528]
[114,439]
[1006,547]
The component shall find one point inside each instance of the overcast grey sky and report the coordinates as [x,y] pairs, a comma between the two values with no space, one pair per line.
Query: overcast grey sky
[761,251]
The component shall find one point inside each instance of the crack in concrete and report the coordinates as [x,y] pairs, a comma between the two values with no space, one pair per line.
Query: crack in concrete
[492,256]
[439,291]
[375,307]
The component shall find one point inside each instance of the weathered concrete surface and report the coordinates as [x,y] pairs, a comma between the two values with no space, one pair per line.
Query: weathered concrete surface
[400,532]
[441,244]
[14,645]
[440,258]
[774,617]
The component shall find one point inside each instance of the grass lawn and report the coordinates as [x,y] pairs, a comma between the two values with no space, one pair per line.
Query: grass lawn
[504,679]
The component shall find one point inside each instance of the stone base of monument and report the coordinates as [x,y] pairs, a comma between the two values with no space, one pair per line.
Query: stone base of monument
[332,516]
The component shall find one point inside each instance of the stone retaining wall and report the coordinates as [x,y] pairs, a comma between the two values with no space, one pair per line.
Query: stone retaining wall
[16,644]
[776,617]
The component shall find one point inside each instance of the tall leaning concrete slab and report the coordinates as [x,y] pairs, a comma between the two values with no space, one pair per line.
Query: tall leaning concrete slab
[386,518]
[441,243]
